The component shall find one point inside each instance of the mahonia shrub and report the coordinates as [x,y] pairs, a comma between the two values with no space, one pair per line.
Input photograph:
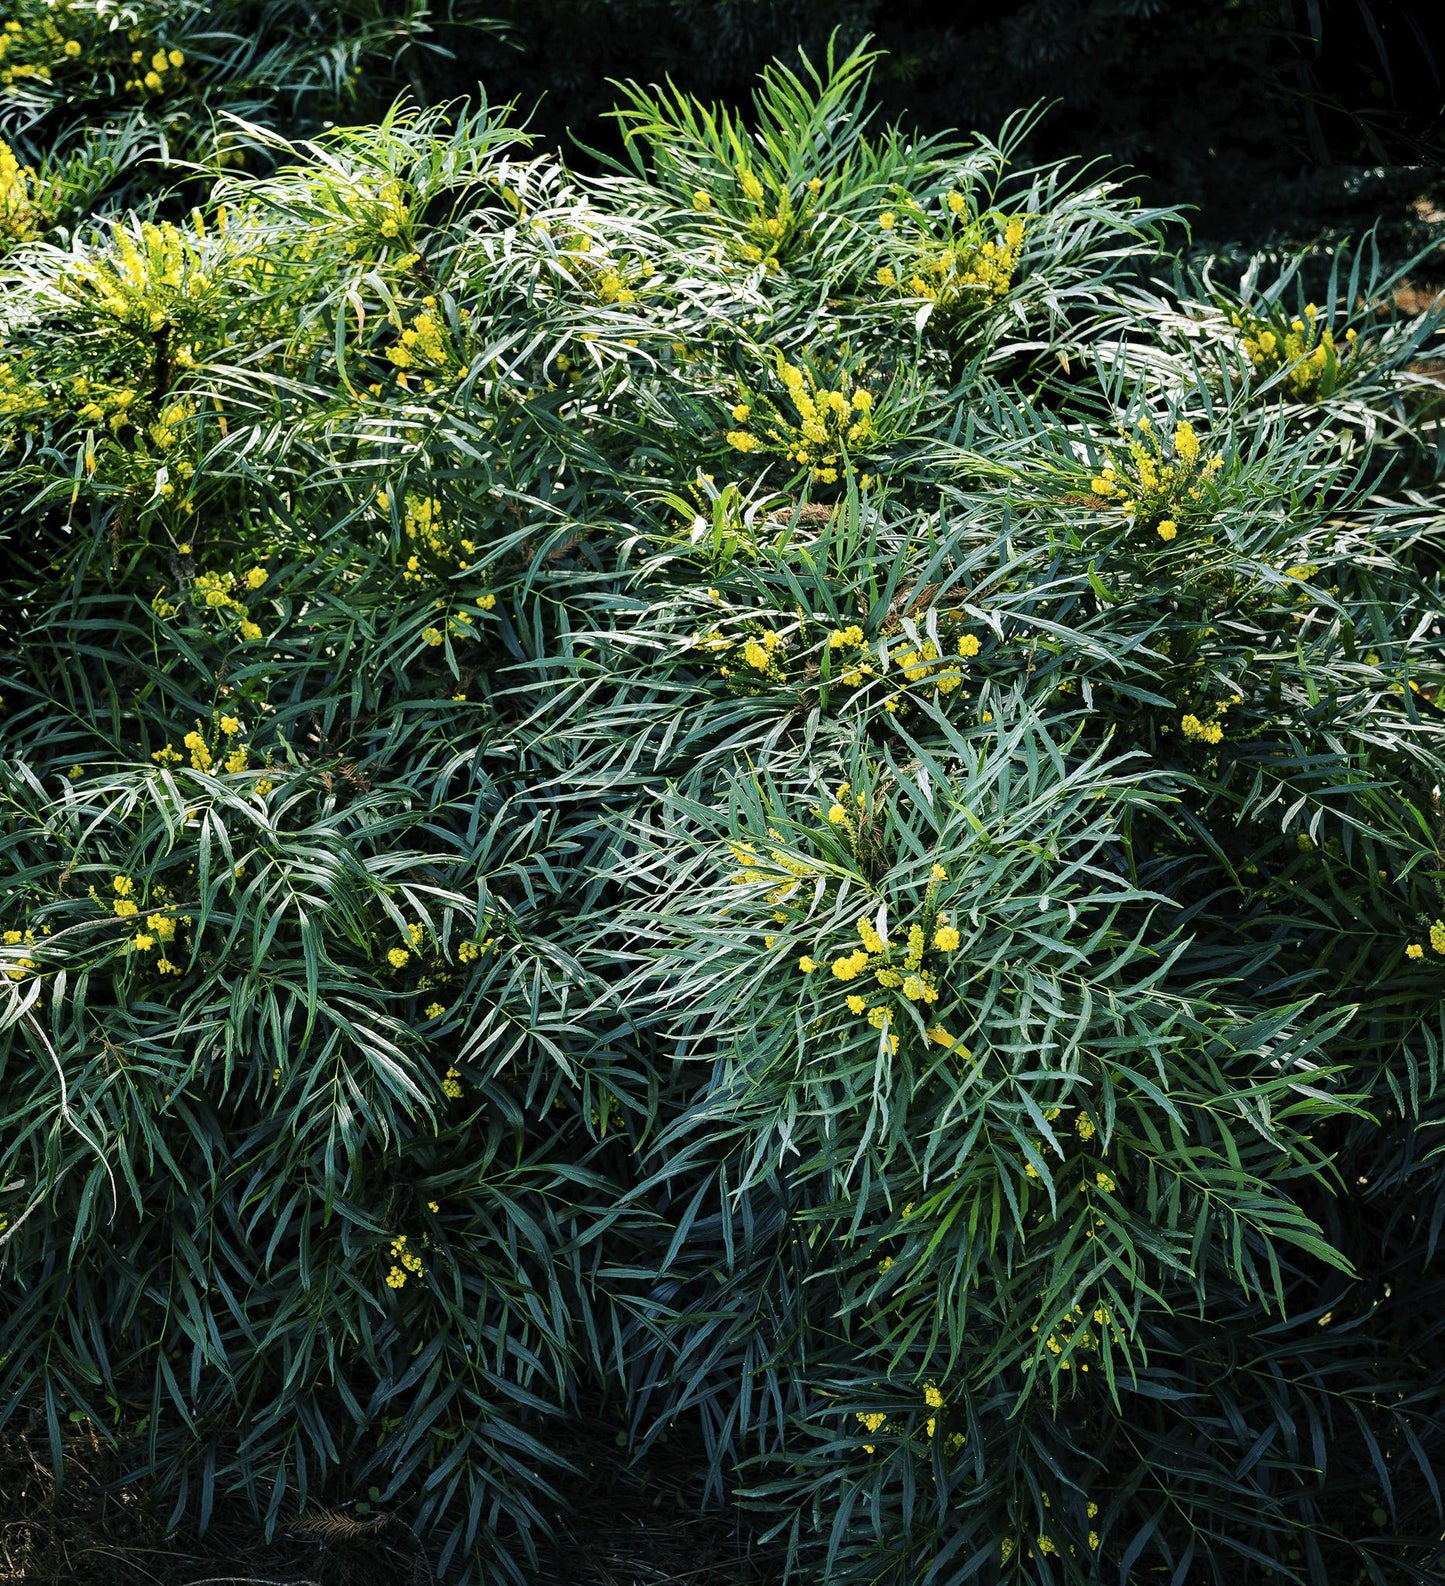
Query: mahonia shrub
[792,788]
[105,104]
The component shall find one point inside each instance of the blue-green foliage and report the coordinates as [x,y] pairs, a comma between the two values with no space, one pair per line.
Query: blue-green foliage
[784,786]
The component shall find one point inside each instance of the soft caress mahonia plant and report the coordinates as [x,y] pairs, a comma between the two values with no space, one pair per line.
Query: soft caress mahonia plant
[104,102]
[814,813]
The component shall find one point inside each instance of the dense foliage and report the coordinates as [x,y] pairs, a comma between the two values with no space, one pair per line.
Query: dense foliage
[794,788]
[106,104]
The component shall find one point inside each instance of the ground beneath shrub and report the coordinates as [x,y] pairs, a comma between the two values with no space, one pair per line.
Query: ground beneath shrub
[641,1527]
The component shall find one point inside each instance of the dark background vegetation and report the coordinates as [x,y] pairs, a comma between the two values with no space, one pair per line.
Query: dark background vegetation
[1280,121]
[1284,123]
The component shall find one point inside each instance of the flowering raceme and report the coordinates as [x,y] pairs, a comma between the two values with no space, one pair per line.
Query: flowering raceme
[1158,485]
[956,261]
[1302,346]
[818,426]
[17,213]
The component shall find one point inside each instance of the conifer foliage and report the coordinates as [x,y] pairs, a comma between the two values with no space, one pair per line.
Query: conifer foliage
[794,788]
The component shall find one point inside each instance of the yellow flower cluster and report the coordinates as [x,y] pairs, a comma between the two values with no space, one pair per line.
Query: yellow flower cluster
[387,211]
[18,968]
[214,592]
[781,870]
[1303,346]
[751,660]
[933,1401]
[1072,1334]
[1211,729]
[954,260]
[606,277]
[203,752]
[172,289]
[900,967]
[1437,942]
[156,71]
[426,345]
[772,213]
[158,283]
[1044,1542]
[871,1421]
[452,1084]
[160,923]
[1156,489]
[430,533]
[17,211]
[150,275]
[35,48]
[812,424]
[405,1263]
[926,664]
[854,663]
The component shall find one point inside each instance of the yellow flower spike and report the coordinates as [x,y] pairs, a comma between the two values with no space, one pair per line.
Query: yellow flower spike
[1106,1181]
[1186,442]
[806,964]
[1414,950]
[888,220]
[398,958]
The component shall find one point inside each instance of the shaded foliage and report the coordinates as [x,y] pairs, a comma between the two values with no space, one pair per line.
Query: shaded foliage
[791,788]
